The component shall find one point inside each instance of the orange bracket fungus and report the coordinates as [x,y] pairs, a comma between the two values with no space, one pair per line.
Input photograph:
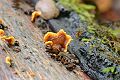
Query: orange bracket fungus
[9,39]
[34,15]
[58,41]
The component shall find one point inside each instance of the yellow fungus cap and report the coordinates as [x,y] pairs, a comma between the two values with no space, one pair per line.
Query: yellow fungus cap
[59,39]
[2,32]
[9,39]
[8,60]
[35,14]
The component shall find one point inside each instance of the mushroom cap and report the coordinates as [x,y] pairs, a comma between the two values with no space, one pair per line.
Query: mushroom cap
[47,8]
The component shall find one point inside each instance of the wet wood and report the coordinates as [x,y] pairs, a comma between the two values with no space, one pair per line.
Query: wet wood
[31,62]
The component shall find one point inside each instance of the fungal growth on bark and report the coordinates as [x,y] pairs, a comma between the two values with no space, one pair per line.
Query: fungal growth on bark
[58,41]
[9,39]
[1,32]
[8,60]
[46,9]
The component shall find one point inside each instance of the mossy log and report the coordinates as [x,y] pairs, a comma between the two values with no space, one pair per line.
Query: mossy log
[94,56]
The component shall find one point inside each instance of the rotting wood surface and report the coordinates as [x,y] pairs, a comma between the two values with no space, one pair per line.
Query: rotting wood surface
[32,62]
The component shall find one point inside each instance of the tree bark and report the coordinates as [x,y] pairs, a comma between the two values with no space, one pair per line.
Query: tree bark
[32,62]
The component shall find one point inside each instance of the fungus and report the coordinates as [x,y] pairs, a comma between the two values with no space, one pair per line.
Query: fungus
[2,32]
[35,14]
[46,9]
[9,39]
[8,60]
[58,41]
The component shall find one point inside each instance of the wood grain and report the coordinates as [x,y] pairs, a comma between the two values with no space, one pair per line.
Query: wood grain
[32,62]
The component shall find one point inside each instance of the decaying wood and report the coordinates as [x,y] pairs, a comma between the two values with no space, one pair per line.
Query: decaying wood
[32,62]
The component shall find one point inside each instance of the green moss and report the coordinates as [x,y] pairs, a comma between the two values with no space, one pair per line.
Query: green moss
[115,32]
[109,69]
[87,39]
[82,9]
[107,35]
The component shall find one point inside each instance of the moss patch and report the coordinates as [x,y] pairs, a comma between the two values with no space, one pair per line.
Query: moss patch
[105,33]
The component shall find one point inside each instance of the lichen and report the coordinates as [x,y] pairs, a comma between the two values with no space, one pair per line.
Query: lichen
[106,34]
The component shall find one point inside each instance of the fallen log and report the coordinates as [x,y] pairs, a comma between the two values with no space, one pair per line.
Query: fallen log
[30,61]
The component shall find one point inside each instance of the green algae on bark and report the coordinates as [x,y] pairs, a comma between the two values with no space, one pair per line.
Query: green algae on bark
[84,10]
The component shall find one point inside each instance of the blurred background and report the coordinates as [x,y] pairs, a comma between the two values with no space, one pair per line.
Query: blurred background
[108,9]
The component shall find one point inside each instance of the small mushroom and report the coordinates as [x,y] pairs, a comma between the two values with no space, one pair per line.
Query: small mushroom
[58,41]
[47,9]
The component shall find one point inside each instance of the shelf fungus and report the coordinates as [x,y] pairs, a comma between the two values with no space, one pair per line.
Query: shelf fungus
[57,41]
[9,39]
[34,15]
[46,9]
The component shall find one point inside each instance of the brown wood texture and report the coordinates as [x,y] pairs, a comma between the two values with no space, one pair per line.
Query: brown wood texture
[32,62]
